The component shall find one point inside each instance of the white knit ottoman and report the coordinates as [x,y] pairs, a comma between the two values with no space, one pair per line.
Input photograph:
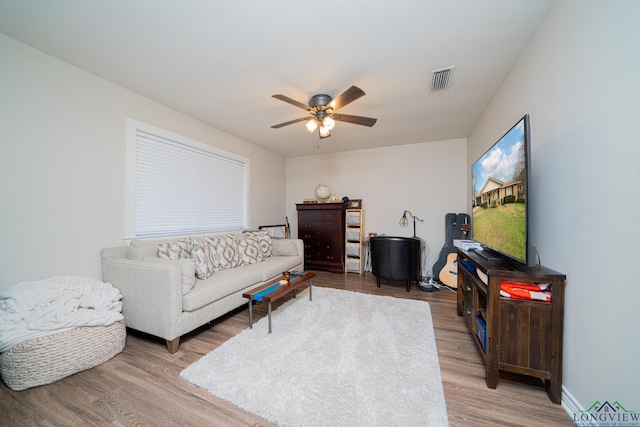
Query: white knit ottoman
[47,359]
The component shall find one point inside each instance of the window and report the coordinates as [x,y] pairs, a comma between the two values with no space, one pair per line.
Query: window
[180,186]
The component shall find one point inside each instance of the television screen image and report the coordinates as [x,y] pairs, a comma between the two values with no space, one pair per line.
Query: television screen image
[499,183]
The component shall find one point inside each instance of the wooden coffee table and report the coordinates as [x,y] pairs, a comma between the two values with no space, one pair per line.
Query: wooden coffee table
[272,291]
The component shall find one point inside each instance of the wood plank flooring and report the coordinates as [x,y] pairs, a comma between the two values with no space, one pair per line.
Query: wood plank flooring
[142,385]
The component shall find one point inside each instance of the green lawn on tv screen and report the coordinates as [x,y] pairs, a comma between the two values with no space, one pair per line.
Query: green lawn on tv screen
[502,228]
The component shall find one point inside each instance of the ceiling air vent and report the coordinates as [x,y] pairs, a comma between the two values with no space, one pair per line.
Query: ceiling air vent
[441,79]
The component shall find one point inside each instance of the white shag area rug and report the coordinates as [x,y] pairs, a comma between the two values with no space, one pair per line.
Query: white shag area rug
[343,359]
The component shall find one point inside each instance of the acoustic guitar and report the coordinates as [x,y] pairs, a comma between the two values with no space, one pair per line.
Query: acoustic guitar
[446,268]
[449,273]
[465,227]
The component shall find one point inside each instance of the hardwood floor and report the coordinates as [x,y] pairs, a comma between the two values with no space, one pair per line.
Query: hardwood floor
[142,385]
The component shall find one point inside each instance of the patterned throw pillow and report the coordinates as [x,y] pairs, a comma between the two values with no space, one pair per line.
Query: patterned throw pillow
[224,251]
[264,240]
[180,249]
[203,257]
[249,251]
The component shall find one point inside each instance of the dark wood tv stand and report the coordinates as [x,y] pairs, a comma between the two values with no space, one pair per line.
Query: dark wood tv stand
[521,336]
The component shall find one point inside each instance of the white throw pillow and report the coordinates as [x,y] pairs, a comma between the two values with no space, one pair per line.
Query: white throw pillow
[188,271]
[140,249]
[283,247]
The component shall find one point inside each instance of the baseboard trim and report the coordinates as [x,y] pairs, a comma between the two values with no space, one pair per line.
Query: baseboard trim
[571,406]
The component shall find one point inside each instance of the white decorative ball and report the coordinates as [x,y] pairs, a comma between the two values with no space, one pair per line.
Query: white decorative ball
[323,193]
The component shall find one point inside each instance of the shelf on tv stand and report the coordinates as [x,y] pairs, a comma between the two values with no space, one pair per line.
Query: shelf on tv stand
[522,336]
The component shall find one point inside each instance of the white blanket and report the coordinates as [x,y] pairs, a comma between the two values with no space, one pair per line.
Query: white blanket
[50,306]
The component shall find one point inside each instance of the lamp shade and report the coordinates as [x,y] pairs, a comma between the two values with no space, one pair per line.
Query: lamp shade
[311,125]
[324,131]
[328,123]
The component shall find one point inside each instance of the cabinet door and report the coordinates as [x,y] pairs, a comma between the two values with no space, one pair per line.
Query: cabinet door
[468,290]
[525,340]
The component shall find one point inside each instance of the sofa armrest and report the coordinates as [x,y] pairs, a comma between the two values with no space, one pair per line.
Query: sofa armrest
[151,293]
[300,246]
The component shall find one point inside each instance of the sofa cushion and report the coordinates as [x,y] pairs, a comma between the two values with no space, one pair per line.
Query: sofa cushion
[249,251]
[274,266]
[224,251]
[203,257]
[283,247]
[222,283]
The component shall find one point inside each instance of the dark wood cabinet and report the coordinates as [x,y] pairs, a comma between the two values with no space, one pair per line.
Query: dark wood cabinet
[321,227]
[519,336]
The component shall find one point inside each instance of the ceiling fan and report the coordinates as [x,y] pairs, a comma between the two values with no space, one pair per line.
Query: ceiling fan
[323,110]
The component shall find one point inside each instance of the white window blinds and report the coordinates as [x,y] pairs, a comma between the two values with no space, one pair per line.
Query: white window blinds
[180,188]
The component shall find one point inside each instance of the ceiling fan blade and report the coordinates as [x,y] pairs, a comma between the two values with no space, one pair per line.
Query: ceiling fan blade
[346,97]
[358,120]
[290,122]
[291,101]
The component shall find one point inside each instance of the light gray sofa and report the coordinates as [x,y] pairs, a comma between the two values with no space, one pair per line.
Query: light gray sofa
[164,298]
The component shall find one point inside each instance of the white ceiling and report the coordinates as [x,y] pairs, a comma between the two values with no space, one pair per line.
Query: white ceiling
[220,61]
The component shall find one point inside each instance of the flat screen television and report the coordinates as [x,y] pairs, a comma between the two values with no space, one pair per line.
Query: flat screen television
[500,181]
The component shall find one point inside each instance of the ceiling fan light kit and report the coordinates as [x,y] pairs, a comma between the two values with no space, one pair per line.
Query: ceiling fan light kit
[322,109]
[311,125]
[324,132]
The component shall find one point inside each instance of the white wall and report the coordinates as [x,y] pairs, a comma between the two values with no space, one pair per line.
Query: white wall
[428,179]
[578,79]
[62,167]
